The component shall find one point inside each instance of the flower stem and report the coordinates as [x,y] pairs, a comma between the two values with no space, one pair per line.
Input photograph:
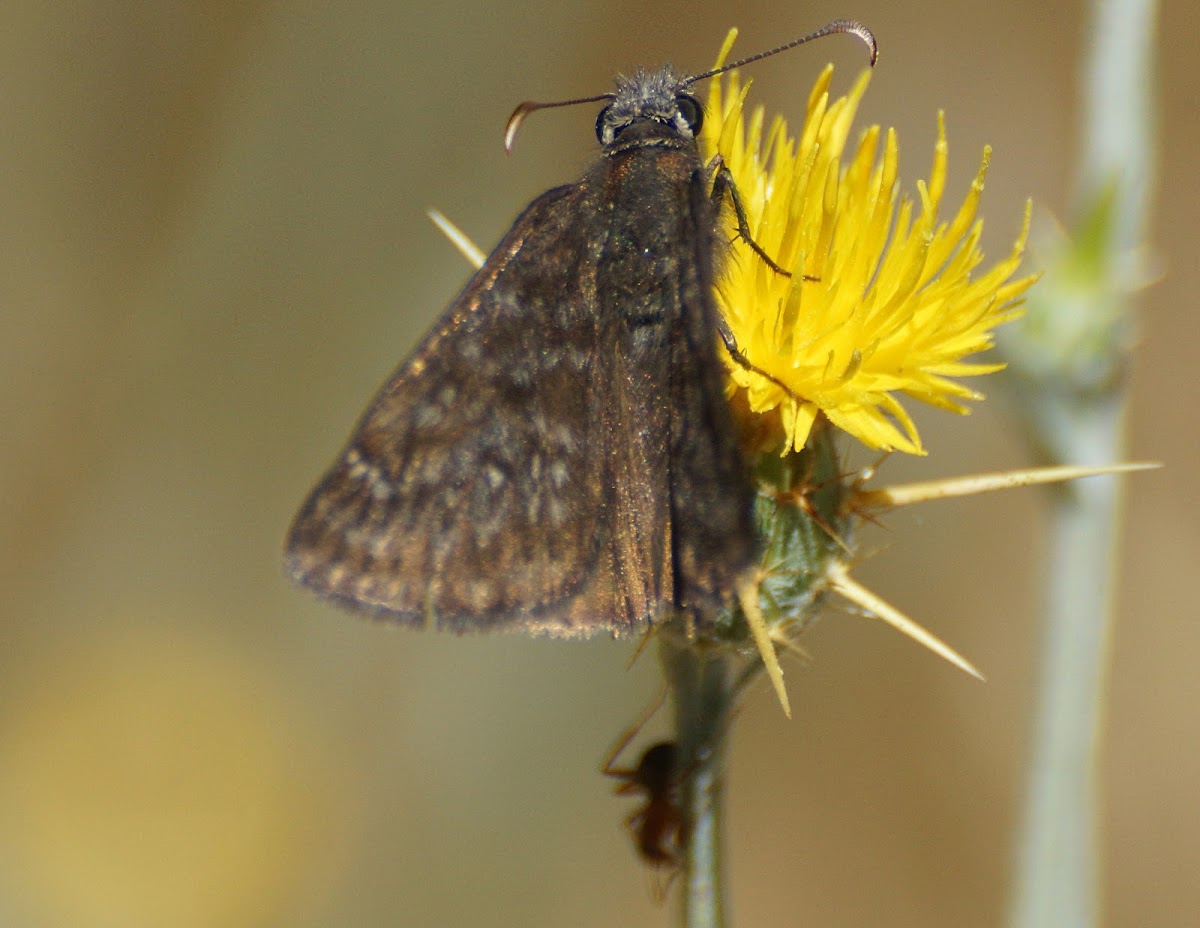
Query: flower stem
[702,680]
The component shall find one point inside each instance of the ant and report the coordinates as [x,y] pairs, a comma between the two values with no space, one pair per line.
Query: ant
[658,825]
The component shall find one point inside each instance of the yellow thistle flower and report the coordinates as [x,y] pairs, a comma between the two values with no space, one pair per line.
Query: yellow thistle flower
[880,301]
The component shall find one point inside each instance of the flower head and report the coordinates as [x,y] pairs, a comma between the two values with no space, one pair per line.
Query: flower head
[880,301]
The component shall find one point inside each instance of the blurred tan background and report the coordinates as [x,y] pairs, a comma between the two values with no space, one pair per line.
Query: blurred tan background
[213,248]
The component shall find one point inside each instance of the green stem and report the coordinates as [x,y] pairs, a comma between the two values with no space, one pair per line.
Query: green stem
[1069,360]
[704,689]
[1058,875]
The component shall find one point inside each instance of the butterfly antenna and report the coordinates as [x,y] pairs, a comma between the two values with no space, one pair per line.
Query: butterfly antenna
[837,27]
[519,114]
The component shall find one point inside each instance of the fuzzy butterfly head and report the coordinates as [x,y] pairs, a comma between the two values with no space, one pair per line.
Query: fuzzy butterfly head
[659,96]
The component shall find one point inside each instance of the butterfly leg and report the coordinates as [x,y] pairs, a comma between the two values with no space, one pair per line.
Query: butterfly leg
[739,356]
[723,184]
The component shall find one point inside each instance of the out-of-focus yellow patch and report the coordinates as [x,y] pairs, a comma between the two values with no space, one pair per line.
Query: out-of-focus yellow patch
[151,781]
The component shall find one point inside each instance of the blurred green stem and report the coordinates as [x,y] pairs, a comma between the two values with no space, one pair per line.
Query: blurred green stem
[701,680]
[1058,865]
[1069,359]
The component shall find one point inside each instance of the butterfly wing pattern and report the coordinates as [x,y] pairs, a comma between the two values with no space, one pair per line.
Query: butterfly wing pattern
[557,456]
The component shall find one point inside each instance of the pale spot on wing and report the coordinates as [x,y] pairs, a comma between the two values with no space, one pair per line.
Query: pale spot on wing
[557,511]
[470,349]
[377,483]
[380,546]
[479,591]
[559,473]
[427,414]
[564,437]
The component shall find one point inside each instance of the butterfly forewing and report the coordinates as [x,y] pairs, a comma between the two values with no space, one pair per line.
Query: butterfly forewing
[472,492]
[557,455]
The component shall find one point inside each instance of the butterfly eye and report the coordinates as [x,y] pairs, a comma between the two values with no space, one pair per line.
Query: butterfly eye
[691,111]
[601,120]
